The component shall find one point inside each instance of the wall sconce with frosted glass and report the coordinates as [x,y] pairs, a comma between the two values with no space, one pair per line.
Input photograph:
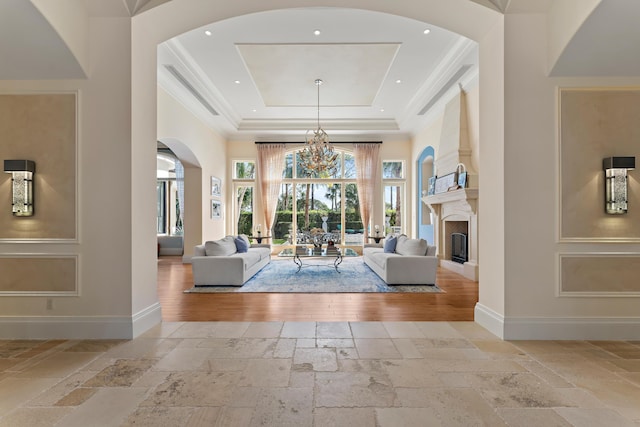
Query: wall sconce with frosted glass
[616,183]
[22,185]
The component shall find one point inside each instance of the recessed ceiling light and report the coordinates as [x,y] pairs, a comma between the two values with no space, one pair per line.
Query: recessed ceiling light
[427,31]
[382,110]
[237,82]
[316,32]
[398,81]
[254,110]
[208,32]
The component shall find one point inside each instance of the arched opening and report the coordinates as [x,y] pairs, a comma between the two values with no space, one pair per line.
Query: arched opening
[424,172]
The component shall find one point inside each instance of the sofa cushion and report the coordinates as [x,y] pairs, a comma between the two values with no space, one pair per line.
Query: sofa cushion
[390,244]
[222,247]
[241,244]
[411,247]
[249,258]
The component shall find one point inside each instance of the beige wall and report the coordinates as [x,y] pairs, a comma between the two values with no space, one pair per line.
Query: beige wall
[42,128]
[205,157]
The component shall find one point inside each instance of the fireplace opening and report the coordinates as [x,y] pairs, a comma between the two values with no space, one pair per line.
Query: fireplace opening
[459,248]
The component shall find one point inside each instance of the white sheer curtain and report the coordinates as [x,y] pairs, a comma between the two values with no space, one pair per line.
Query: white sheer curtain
[367,177]
[270,166]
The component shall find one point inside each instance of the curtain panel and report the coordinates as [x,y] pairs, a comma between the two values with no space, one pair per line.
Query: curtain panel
[367,176]
[270,166]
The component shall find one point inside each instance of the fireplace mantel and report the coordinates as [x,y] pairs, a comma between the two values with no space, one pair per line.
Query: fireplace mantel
[457,205]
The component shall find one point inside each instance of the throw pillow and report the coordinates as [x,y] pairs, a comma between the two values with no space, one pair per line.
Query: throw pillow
[411,247]
[390,244]
[222,247]
[246,239]
[241,245]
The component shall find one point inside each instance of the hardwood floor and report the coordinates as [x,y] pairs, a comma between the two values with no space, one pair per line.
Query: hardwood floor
[456,304]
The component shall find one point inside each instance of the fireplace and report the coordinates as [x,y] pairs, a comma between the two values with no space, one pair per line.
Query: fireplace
[459,248]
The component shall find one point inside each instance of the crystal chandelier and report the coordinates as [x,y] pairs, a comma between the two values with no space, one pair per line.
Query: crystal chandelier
[318,156]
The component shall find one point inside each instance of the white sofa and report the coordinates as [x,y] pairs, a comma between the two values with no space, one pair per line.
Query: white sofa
[413,262]
[218,263]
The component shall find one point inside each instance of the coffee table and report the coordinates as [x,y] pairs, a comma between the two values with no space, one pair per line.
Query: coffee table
[302,252]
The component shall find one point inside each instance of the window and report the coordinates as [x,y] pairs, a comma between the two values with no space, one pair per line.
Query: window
[394,197]
[244,175]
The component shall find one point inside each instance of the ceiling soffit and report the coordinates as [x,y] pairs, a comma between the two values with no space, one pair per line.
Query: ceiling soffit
[352,74]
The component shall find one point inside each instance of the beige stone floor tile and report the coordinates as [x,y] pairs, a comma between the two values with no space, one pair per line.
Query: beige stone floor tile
[263,330]
[243,348]
[451,353]
[453,379]
[298,330]
[108,407]
[411,373]
[353,389]
[7,364]
[284,407]
[184,359]
[402,330]
[203,417]
[284,348]
[16,391]
[306,343]
[527,417]
[195,330]
[151,379]
[321,359]
[58,365]
[34,417]
[266,373]
[302,379]
[15,348]
[333,330]
[61,389]
[230,329]
[516,390]
[377,349]
[123,373]
[622,396]
[163,330]
[473,331]
[407,417]
[76,397]
[446,343]
[580,398]
[195,342]
[159,416]
[352,417]
[368,330]
[545,373]
[581,372]
[407,348]
[94,346]
[233,417]
[633,377]
[347,353]
[475,366]
[500,349]
[225,365]
[143,347]
[593,417]
[194,389]
[245,397]
[437,330]
[457,406]
[335,343]
[626,365]
[98,364]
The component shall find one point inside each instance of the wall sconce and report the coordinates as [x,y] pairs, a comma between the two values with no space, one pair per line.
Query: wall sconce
[616,183]
[22,182]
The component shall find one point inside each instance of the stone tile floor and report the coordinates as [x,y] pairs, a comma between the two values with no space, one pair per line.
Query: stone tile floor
[319,374]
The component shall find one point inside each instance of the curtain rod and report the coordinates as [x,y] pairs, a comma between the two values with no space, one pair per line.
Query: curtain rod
[302,142]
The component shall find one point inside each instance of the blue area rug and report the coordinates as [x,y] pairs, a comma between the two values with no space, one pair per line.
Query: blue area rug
[280,276]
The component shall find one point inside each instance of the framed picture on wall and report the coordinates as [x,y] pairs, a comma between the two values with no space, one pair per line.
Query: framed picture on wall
[216,187]
[216,209]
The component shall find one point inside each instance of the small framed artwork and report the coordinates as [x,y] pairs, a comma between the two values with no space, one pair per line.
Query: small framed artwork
[432,186]
[462,180]
[446,182]
[216,209]
[216,187]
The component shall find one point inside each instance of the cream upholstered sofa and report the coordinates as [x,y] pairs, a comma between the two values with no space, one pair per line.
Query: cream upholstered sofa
[411,262]
[219,263]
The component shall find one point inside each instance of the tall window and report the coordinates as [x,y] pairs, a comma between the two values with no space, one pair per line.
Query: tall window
[394,189]
[243,182]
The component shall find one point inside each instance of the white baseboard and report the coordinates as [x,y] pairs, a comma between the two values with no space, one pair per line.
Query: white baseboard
[558,328]
[79,327]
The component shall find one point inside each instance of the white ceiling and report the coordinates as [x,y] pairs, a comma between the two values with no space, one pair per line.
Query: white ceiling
[379,71]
